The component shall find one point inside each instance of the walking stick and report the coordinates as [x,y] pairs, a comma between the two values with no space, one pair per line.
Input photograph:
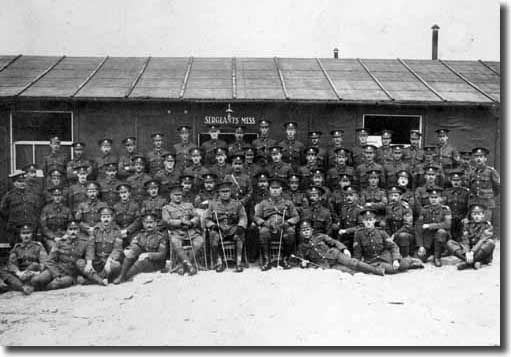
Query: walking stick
[280,240]
[307,261]
[193,250]
[221,237]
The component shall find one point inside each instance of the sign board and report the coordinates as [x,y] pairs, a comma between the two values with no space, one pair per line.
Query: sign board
[228,120]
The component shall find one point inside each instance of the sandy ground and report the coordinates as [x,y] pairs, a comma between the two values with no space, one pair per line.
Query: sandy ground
[295,307]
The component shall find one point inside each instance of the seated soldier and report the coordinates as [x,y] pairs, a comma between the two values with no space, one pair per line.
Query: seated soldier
[63,267]
[108,184]
[399,221]
[26,261]
[276,217]
[104,252]
[348,218]
[186,182]
[320,249]
[433,226]
[169,174]
[477,242]
[54,218]
[126,214]
[318,215]
[55,179]
[183,223]
[88,212]
[154,202]
[207,193]
[375,247]
[146,252]
[226,219]
[296,194]
[139,178]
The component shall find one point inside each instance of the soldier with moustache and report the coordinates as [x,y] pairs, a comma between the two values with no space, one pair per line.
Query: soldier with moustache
[108,185]
[276,167]
[126,165]
[79,160]
[169,175]
[221,168]
[413,154]
[419,173]
[56,179]
[209,148]
[184,147]
[292,149]
[263,143]
[340,168]
[337,143]
[296,194]
[316,213]
[78,190]
[322,155]
[196,170]
[106,155]
[126,214]
[369,165]
[399,221]
[395,165]
[239,144]
[347,218]
[138,179]
[54,218]
[154,157]
[88,211]
[241,182]
[312,164]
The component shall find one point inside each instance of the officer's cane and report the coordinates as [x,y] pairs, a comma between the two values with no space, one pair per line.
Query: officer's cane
[281,234]
[193,250]
[306,261]
[221,237]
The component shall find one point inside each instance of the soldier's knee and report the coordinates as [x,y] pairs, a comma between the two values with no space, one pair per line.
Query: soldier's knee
[175,242]
[404,239]
[80,264]
[198,242]
[441,235]
[452,246]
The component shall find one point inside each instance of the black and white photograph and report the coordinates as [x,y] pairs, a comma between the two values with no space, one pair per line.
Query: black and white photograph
[221,173]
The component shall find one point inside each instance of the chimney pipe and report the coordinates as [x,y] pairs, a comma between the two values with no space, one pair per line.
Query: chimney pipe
[434,54]
[336,52]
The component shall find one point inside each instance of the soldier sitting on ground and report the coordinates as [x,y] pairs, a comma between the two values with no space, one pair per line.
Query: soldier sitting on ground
[146,252]
[477,242]
[399,221]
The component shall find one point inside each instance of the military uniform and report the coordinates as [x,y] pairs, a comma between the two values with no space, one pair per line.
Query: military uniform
[127,216]
[154,205]
[319,216]
[241,187]
[306,172]
[101,164]
[420,170]
[108,190]
[348,220]
[196,172]
[209,149]
[137,182]
[299,199]
[397,215]
[384,155]
[413,155]
[457,200]
[374,197]
[57,159]
[262,146]
[279,169]
[54,219]
[448,156]
[292,152]
[167,179]
[77,194]
[391,170]
[76,163]
[155,161]
[182,149]
[220,170]
[88,213]
[126,165]
[363,170]
[484,186]
[105,243]
[334,174]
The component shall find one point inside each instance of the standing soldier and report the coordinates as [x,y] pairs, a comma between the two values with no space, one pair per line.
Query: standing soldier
[139,178]
[395,165]
[318,215]
[296,194]
[322,155]
[126,214]
[413,154]
[226,219]
[484,183]
[337,143]
[399,221]
[241,183]
[78,191]
[369,165]
[404,183]
[447,154]
[250,167]
[184,147]
[207,193]
[169,174]
[196,170]
[433,227]
[153,203]
[292,149]
[183,223]
[54,218]
[237,146]
[359,148]
[154,157]
[56,179]
[186,183]
[276,167]
[419,171]
[263,143]
[19,206]
[305,171]
[466,165]
[422,192]
[339,167]
[347,218]
[456,197]
[106,156]
[126,166]
[56,158]
[88,212]
[146,252]
[209,148]
[318,179]
[33,182]
[384,152]
[276,216]
[104,251]
[221,168]
[337,200]
[78,160]
[109,183]
[260,193]
[373,196]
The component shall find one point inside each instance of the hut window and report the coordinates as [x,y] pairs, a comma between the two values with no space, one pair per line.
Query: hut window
[30,133]
[399,124]
[228,137]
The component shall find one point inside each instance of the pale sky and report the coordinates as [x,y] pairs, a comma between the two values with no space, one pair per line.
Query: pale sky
[469,29]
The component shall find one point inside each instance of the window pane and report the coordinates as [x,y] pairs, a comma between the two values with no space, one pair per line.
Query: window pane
[38,126]
[400,125]
[23,156]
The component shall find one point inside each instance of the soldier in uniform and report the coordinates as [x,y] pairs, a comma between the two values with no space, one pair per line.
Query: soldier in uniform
[276,217]
[396,164]
[184,147]
[433,227]
[65,262]
[413,154]
[374,247]
[154,203]
[399,221]
[250,167]
[384,152]
[226,219]
[221,168]
[276,167]
[155,156]
[88,212]
[78,191]
[368,165]
[320,249]
[358,151]
[260,193]
[104,251]
[32,181]
[292,149]
[318,179]
[422,192]
[196,170]
[241,182]
[340,167]
[106,156]
[337,142]
[477,242]
[169,174]
[322,155]
[404,182]
[373,196]
[263,143]
[207,193]
[484,183]
[446,153]
[56,179]
[19,205]
[186,182]
[139,178]
[237,146]
[79,160]
[209,148]
[26,261]
[337,201]
[296,194]
[183,223]
[126,214]
[108,190]
[54,218]
[146,252]
[56,158]
[466,165]
[347,218]
[305,171]
[126,166]
[456,197]
[317,214]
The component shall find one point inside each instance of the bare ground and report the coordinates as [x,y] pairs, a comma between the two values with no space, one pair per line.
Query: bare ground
[295,307]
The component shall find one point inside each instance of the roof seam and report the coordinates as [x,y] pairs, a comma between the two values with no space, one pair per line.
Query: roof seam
[41,75]
[185,79]
[421,79]
[89,77]
[10,62]
[375,79]
[468,82]
[281,77]
[137,78]
[489,67]
[327,76]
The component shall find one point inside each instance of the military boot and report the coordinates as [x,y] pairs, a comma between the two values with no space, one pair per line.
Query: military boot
[126,264]
[463,266]
[369,269]
[437,261]
[266,258]
[285,263]
[190,267]
[98,279]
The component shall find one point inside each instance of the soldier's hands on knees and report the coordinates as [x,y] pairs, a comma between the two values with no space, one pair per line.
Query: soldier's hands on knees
[469,256]
[88,267]
[395,264]
[421,252]
[347,253]
[143,256]
[124,233]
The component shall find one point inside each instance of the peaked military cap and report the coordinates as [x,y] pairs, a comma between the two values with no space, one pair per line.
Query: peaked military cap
[220,151]
[30,167]
[150,215]
[305,224]
[262,175]
[55,170]
[238,158]
[345,176]
[183,129]
[374,173]
[54,139]
[186,178]
[275,148]
[79,145]
[318,172]
[367,212]
[209,176]
[479,207]
[435,190]
[311,150]
[92,184]
[315,134]
[105,141]
[386,132]
[395,189]
[293,176]
[167,154]
[106,210]
[480,151]
[370,146]
[430,169]
[403,173]
[316,189]
[397,147]
[123,185]
[224,185]
[213,128]
[25,227]
[442,131]
[157,135]
[129,140]
[264,122]
[194,151]
[138,158]
[112,165]
[277,180]
[415,132]
[290,125]
[175,188]
[456,174]
[362,130]
[336,132]
[239,129]
[429,149]
[57,190]
[152,183]
[73,224]
[350,189]
[342,151]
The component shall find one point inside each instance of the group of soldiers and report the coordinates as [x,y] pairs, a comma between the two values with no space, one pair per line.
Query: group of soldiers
[377,210]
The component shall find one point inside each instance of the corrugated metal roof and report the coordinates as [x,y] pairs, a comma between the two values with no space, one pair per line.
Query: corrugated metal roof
[249,79]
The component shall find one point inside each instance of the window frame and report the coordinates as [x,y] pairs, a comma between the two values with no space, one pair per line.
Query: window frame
[394,115]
